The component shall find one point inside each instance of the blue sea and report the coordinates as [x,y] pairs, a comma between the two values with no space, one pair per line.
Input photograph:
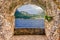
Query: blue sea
[29,23]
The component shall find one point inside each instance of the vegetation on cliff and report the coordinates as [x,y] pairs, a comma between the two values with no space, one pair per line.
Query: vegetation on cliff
[26,15]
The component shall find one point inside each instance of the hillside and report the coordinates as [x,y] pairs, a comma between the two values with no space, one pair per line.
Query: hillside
[26,15]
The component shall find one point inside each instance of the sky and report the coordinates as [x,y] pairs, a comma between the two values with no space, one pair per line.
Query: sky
[31,9]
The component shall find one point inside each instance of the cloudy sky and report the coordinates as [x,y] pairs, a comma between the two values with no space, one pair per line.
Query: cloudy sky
[31,9]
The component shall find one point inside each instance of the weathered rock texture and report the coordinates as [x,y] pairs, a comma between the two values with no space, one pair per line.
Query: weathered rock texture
[8,7]
[52,28]
[29,37]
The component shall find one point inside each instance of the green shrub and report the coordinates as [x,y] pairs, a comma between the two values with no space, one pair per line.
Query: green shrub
[48,18]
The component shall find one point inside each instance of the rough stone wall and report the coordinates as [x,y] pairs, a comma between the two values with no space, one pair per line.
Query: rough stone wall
[8,7]
[52,28]
[6,23]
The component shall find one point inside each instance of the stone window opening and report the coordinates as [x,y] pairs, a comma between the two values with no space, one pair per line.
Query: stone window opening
[27,17]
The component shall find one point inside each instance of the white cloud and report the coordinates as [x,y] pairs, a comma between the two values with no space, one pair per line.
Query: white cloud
[32,9]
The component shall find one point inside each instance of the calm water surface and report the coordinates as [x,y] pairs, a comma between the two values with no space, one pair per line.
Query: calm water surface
[29,23]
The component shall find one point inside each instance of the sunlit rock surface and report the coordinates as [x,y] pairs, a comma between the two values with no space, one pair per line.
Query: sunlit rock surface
[8,7]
